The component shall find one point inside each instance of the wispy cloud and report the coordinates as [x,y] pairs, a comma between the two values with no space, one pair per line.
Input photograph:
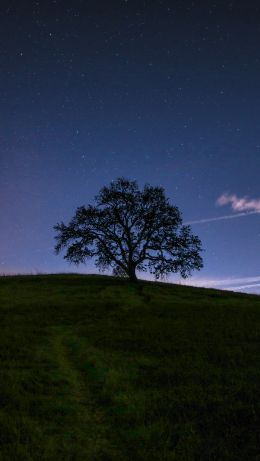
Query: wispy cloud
[227,281]
[245,287]
[221,218]
[239,203]
[230,283]
[243,206]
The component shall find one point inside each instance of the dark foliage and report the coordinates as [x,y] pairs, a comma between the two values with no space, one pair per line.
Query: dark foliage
[131,230]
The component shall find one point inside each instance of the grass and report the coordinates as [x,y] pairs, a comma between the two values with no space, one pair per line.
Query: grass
[94,368]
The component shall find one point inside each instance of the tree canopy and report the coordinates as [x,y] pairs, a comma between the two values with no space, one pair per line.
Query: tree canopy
[130,230]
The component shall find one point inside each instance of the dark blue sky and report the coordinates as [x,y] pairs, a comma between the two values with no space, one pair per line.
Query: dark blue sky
[165,92]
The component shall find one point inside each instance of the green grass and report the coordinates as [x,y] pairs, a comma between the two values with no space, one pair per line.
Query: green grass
[94,368]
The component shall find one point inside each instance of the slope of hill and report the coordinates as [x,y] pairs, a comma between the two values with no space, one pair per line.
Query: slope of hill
[94,368]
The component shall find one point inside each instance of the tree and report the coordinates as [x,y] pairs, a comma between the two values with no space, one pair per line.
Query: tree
[131,230]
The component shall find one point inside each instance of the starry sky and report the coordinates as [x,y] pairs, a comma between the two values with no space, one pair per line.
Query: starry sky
[164,92]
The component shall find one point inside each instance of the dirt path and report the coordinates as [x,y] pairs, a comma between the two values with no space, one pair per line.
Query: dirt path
[87,426]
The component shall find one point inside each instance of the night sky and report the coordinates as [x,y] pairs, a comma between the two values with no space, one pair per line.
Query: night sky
[164,92]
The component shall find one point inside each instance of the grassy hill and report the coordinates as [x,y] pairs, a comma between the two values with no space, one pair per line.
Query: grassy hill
[94,368]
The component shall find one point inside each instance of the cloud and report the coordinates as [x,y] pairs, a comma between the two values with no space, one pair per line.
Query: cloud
[239,204]
[230,283]
[245,287]
[227,281]
[221,218]
[242,206]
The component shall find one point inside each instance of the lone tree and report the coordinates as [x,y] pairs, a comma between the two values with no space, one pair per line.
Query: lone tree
[131,230]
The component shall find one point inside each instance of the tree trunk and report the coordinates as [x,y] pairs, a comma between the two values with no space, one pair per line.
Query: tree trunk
[132,274]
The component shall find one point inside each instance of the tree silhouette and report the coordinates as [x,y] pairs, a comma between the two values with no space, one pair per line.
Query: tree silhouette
[131,230]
